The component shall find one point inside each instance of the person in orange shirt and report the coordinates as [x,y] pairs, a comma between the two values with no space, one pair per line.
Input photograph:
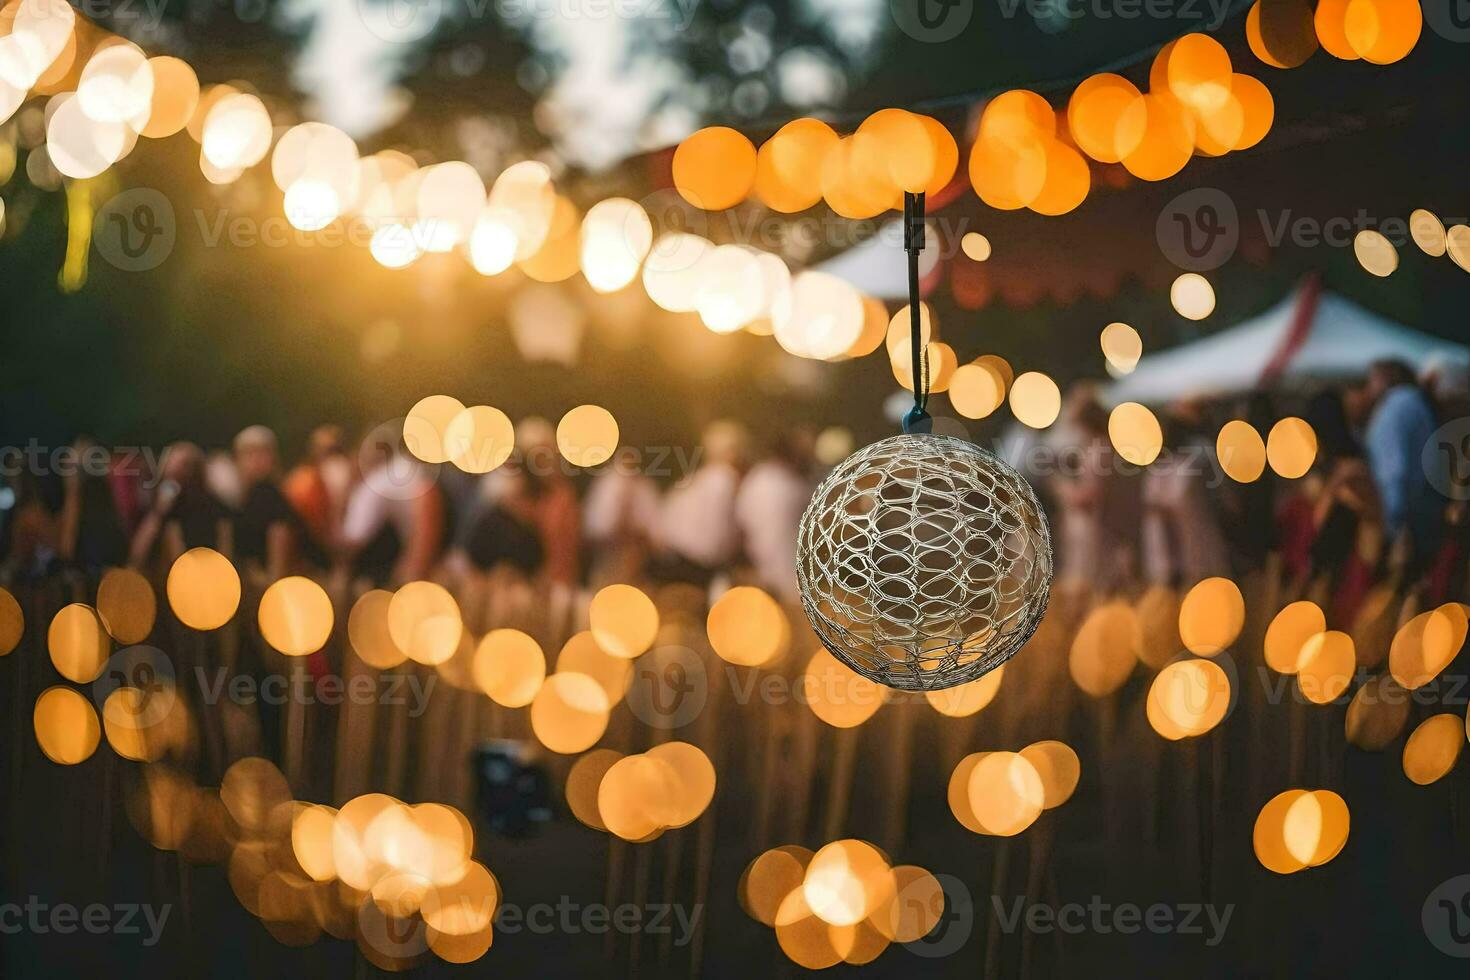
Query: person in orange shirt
[317,487]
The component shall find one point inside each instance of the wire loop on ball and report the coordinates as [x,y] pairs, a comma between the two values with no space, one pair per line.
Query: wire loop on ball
[924,562]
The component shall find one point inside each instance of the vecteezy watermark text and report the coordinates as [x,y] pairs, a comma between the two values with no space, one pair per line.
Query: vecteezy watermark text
[330,690]
[567,917]
[1209,14]
[564,917]
[1104,918]
[64,919]
[138,462]
[1201,229]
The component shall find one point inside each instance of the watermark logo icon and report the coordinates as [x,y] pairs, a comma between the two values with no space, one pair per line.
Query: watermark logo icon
[1446,917]
[150,671]
[670,214]
[1199,230]
[955,924]
[1450,19]
[400,21]
[135,230]
[391,474]
[251,11]
[391,928]
[932,21]
[1446,459]
[670,687]
[1198,693]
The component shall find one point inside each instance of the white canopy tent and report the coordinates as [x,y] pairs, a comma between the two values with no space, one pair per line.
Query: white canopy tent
[1305,336]
[879,266]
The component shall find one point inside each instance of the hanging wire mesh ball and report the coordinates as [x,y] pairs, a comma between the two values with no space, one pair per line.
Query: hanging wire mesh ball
[924,561]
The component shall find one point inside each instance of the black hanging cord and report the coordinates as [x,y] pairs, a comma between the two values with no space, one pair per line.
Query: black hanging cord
[917,419]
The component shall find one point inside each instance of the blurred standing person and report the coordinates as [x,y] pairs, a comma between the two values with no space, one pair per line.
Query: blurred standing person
[317,487]
[697,532]
[269,541]
[1181,538]
[460,492]
[223,479]
[558,520]
[1347,548]
[393,525]
[1249,510]
[1080,484]
[269,538]
[268,533]
[184,513]
[92,538]
[1447,380]
[557,513]
[501,528]
[9,498]
[1400,427]
[1310,531]
[497,557]
[30,529]
[619,517]
[1031,454]
[768,510]
[125,476]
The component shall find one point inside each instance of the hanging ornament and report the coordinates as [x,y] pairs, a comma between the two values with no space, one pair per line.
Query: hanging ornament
[924,561]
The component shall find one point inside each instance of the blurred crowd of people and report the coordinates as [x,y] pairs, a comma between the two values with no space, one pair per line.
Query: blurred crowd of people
[374,512]
[1382,503]
[1372,509]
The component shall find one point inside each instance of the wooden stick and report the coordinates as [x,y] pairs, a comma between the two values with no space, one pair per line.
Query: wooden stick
[1107,727]
[641,856]
[30,646]
[705,845]
[997,888]
[839,790]
[394,776]
[1297,741]
[354,733]
[802,774]
[104,842]
[295,749]
[186,902]
[1038,859]
[701,889]
[1152,752]
[611,889]
[462,785]
[760,827]
[1205,810]
[899,751]
[212,720]
[673,849]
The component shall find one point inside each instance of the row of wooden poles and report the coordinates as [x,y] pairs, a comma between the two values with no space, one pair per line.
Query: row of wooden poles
[783,775]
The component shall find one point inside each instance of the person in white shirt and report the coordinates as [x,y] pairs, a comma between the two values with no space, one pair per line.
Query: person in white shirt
[768,511]
[620,518]
[393,524]
[697,534]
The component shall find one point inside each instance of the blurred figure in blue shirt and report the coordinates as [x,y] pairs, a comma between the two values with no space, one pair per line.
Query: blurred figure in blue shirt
[1402,424]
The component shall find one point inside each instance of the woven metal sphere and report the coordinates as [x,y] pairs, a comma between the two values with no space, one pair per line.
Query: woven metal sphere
[924,561]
